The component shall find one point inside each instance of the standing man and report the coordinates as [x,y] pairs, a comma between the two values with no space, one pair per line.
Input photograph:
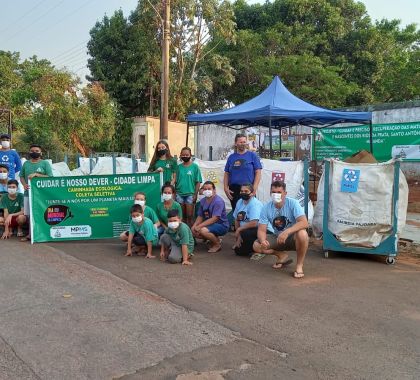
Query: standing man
[282,227]
[242,167]
[34,167]
[9,157]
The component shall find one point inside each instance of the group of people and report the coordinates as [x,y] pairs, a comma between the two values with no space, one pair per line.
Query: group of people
[178,221]
[14,206]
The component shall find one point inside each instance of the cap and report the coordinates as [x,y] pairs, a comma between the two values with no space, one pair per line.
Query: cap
[4,136]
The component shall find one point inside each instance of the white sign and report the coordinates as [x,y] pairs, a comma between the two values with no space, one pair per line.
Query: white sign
[60,232]
[406,152]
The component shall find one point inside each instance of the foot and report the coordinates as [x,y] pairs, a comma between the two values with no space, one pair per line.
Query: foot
[216,248]
[150,256]
[20,233]
[298,274]
[281,264]
[26,238]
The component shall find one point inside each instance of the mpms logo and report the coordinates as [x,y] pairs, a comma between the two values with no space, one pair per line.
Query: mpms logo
[81,229]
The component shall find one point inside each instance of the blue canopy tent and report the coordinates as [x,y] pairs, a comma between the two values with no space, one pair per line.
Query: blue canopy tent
[276,107]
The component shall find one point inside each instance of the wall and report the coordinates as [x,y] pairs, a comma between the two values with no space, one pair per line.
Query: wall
[220,138]
[150,127]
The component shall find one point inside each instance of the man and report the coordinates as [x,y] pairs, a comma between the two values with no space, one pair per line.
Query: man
[34,167]
[9,157]
[282,227]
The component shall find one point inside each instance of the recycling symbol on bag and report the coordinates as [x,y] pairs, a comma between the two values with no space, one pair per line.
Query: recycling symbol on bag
[350,176]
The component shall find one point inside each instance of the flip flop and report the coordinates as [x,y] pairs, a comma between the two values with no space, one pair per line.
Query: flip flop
[26,238]
[283,264]
[298,274]
[212,250]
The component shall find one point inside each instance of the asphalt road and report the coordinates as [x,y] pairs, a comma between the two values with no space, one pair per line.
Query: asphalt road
[226,317]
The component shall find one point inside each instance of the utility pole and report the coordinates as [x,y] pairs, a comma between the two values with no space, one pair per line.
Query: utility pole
[165,70]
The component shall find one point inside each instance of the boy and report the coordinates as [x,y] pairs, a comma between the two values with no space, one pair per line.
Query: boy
[142,232]
[177,243]
[4,177]
[12,204]
[9,157]
[34,167]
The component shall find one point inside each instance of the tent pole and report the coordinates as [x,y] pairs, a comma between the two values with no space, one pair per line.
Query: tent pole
[370,137]
[188,131]
[271,138]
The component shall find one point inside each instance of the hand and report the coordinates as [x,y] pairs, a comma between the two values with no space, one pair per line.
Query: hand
[26,187]
[150,256]
[238,241]
[281,239]
[194,199]
[5,235]
[158,170]
[187,262]
[30,176]
[229,193]
[162,256]
[238,232]
[265,244]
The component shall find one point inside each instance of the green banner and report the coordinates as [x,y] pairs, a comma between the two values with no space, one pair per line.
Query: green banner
[87,207]
[389,141]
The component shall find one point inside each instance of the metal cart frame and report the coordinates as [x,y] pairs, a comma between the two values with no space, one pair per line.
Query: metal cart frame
[389,247]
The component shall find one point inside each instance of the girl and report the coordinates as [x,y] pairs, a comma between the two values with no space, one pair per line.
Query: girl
[188,180]
[168,203]
[162,161]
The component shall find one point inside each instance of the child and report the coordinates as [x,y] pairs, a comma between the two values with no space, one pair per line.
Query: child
[188,180]
[177,243]
[142,232]
[12,204]
[167,204]
[4,177]
[34,167]
[140,199]
[163,162]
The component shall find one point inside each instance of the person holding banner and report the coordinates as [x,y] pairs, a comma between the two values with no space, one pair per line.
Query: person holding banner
[212,221]
[246,214]
[168,203]
[188,180]
[34,167]
[142,232]
[163,162]
[282,227]
[242,166]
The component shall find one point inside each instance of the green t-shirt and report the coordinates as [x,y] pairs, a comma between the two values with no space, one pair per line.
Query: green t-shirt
[12,205]
[168,166]
[29,167]
[162,212]
[146,229]
[182,235]
[186,178]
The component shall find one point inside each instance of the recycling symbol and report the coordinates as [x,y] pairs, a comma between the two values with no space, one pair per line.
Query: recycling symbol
[350,176]
[5,158]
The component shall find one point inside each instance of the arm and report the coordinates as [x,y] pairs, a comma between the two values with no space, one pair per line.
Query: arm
[129,242]
[24,184]
[196,190]
[226,186]
[173,181]
[257,180]
[18,163]
[262,236]
[251,224]
[149,250]
[196,223]
[185,256]
[301,224]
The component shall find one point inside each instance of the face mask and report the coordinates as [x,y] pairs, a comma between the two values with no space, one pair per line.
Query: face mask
[34,155]
[141,203]
[241,146]
[207,193]
[166,197]
[162,152]
[173,225]
[276,197]
[137,219]
[185,159]
[245,196]
[12,190]
[5,144]
[3,175]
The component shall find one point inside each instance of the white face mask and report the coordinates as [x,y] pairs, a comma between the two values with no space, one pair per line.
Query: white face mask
[137,219]
[3,175]
[173,225]
[141,203]
[11,190]
[166,197]
[276,197]
[5,144]
[207,193]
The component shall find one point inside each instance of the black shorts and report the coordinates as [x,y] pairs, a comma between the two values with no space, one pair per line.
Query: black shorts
[289,245]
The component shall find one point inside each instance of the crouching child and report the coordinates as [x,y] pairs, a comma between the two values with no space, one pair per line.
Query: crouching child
[177,243]
[12,205]
[142,233]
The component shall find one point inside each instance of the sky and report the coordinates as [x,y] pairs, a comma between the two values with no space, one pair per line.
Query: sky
[58,30]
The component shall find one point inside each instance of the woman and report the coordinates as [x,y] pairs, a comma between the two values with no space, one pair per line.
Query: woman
[168,203]
[162,161]
[243,166]
[246,214]
[188,180]
[211,222]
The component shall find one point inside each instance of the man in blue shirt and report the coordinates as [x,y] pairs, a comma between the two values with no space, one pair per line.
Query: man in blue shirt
[282,227]
[9,157]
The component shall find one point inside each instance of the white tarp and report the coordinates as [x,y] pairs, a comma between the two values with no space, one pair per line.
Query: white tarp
[362,217]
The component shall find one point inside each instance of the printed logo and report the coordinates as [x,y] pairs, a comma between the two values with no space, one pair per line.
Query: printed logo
[278,176]
[68,232]
[350,180]
[280,223]
[241,217]
[5,158]
[56,214]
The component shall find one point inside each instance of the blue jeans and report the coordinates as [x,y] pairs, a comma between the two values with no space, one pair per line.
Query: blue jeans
[184,199]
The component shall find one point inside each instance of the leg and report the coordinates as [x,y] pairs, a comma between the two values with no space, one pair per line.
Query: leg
[214,240]
[273,249]
[302,243]
[175,256]
[236,195]
[124,236]
[165,245]
[248,237]
[189,210]
[21,221]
